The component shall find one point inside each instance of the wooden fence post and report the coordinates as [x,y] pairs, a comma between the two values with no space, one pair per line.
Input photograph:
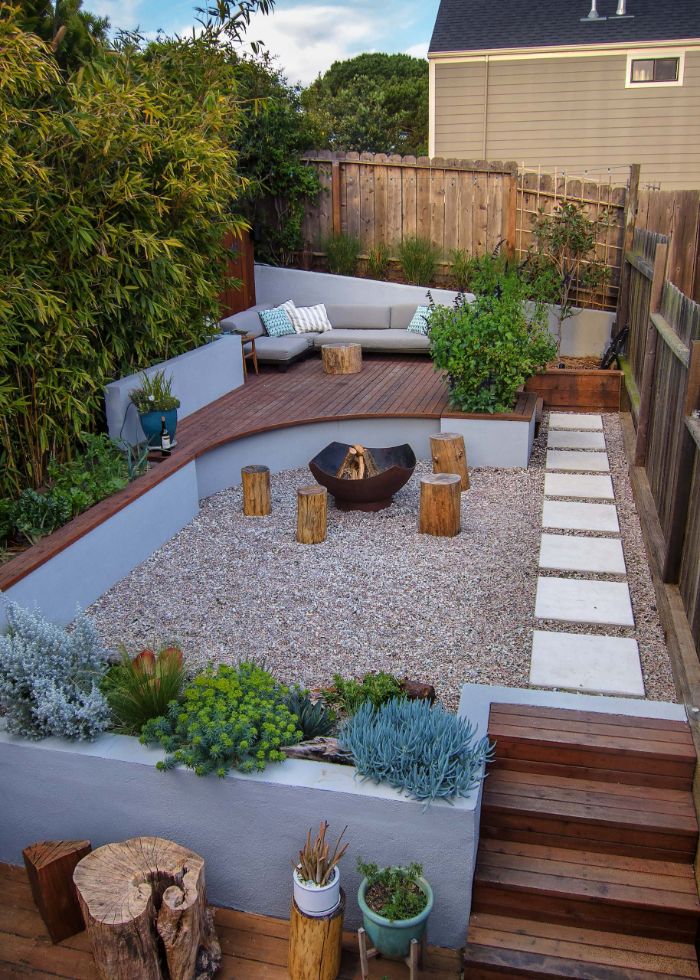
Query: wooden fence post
[631,205]
[647,381]
[335,196]
[510,208]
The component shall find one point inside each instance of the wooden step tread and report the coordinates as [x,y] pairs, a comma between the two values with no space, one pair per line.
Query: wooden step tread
[585,876]
[571,718]
[529,948]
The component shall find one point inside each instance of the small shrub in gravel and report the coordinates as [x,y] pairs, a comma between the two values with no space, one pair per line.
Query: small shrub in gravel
[50,677]
[229,717]
[425,751]
[348,695]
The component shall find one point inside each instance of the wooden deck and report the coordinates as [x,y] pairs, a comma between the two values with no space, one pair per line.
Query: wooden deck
[254,947]
[387,387]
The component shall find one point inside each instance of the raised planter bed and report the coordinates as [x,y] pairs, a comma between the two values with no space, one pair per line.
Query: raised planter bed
[583,389]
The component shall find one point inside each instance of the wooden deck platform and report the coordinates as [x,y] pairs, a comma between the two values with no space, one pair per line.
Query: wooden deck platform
[254,947]
[387,387]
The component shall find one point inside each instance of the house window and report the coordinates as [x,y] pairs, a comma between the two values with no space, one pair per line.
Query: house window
[659,67]
[654,70]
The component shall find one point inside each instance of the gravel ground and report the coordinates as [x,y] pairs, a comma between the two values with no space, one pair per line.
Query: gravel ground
[376,594]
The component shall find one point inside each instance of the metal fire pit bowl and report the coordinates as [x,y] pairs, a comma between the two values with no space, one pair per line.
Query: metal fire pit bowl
[396,464]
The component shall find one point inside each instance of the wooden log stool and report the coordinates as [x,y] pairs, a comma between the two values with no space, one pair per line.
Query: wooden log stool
[342,358]
[440,511]
[315,943]
[450,456]
[256,491]
[142,899]
[50,865]
[312,514]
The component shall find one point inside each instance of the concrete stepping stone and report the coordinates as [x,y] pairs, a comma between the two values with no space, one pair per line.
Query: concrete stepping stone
[563,439]
[577,460]
[571,600]
[578,485]
[578,662]
[574,420]
[565,553]
[571,515]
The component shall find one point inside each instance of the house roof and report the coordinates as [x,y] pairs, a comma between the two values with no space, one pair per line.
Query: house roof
[474,25]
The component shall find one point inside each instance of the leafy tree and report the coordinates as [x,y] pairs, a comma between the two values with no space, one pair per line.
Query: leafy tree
[274,134]
[75,34]
[375,103]
[117,186]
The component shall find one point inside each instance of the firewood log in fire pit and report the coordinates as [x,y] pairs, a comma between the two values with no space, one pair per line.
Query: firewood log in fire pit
[359,464]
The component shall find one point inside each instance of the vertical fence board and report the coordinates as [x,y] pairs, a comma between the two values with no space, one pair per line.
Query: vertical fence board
[366,202]
[408,215]
[394,205]
[451,241]
[466,205]
[351,171]
[437,209]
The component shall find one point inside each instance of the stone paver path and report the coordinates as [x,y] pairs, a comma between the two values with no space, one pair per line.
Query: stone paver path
[582,581]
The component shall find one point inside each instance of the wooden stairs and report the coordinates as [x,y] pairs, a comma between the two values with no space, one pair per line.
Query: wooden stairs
[588,837]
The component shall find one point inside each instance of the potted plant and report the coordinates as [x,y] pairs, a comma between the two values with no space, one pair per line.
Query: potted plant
[395,904]
[316,875]
[154,401]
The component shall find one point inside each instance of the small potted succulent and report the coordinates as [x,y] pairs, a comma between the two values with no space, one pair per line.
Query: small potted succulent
[316,875]
[395,904]
[154,401]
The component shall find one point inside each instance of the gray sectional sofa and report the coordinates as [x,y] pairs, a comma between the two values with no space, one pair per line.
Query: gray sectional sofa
[380,329]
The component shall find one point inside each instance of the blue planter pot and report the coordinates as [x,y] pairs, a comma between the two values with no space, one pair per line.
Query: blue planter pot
[393,939]
[150,423]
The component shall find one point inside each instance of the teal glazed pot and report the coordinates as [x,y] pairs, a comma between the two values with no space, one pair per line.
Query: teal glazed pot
[393,939]
[150,423]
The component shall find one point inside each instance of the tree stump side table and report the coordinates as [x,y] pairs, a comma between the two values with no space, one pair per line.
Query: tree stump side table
[50,865]
[315,944]
[440,500]
[450,456]
[342,358]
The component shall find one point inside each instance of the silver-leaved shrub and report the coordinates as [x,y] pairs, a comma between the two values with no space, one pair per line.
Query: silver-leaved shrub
[49,677]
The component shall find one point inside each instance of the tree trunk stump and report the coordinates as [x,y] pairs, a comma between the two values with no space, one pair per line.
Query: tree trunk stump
[50,865]
[342,358]
[144,898]
[312,512]
[256,491]
[440,505]
[450,456]
[315,944]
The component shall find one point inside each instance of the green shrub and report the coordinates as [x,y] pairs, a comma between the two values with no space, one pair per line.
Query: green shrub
[489,348]
[231,716]
[313,717]
[154,394]
[419,259]
[99,471]
[341,254]
[141,688]
[378,261]
[393,892]
[37,514]
[348,695]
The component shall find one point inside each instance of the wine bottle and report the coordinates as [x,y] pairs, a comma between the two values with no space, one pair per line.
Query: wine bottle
[165,444]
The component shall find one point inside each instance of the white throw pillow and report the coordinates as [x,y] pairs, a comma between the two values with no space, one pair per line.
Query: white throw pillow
[309,319]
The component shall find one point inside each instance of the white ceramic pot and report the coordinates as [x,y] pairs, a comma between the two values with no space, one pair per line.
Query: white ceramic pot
[317,900]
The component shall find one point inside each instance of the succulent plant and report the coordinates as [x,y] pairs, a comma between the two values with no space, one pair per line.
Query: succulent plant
[314,717]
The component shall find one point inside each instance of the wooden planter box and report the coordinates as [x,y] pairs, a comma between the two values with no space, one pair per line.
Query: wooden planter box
[589,389]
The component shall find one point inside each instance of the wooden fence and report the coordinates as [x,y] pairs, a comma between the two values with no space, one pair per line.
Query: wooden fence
[675,214]
[663,378]
[472,205]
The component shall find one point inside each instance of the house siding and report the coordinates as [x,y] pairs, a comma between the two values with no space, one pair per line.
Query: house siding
[571,113]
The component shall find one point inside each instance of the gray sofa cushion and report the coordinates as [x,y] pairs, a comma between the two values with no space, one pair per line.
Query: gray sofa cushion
[284,348]
[248,320]
[358,317]
[402,314]
[384,341]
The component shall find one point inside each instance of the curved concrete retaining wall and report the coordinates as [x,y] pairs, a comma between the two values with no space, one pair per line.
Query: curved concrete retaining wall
[247,828]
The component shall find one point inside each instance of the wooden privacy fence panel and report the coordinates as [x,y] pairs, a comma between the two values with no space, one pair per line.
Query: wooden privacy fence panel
[473,205]
[641,261]
[673,395]
[676,214]
[689,578]
[240,266]
[603,202]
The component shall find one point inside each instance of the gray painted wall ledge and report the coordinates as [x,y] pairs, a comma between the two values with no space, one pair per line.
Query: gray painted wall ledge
[247,827]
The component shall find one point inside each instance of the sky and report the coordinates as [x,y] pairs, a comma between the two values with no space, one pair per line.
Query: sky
[307,36]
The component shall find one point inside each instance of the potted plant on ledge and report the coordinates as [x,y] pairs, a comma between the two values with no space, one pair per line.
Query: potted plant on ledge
[155,403]
[316,875]
[395,904]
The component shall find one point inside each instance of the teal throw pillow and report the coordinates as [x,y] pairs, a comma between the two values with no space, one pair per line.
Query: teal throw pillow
[276,322]
[420,322]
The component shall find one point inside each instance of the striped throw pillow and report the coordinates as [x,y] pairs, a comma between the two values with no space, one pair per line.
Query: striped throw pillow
[277,322]
[420,322]
[310,319]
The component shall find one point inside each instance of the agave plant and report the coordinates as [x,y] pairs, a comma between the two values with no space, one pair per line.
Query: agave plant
[140,688]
